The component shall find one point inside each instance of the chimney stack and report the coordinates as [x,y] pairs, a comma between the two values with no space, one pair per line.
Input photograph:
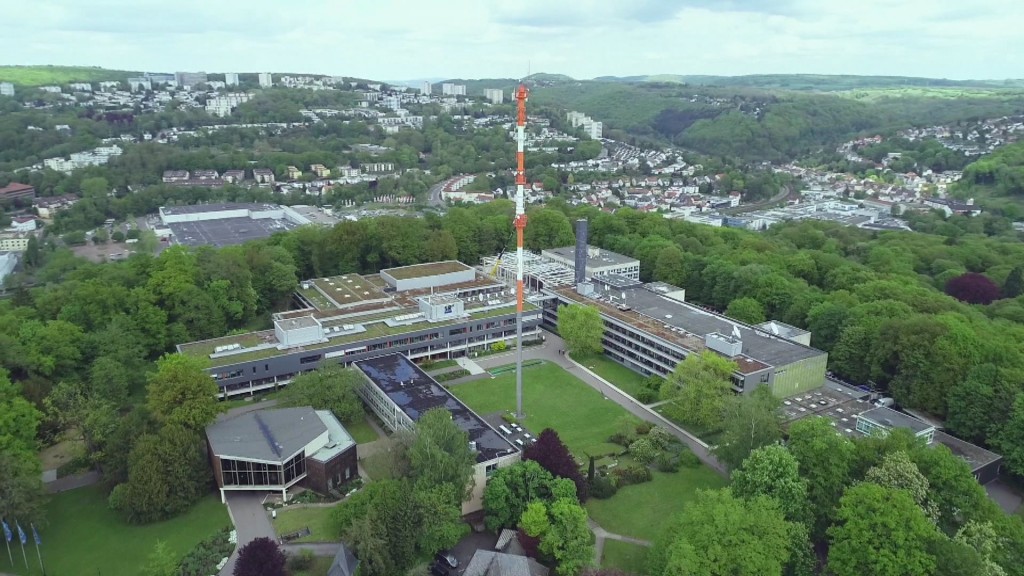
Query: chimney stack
[581,251]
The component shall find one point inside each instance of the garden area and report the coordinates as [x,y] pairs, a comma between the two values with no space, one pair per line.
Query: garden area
[82,531]
[316,518]
[623,378]
[625,556]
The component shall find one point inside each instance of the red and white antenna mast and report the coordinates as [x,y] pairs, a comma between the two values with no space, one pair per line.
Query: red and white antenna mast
[520,223]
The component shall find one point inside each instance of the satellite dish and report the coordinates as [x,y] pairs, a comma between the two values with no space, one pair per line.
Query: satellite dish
[736,332]
[775,328]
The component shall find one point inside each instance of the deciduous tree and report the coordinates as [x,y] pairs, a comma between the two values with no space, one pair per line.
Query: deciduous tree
[825,460]
[746,310]
[748,422]
[973,288]
[511,489]
[331,388]
[180,392]
[773,471]
[698,388]
[440,454]
[554,456]
[261,557]
[880,531]
[582,329]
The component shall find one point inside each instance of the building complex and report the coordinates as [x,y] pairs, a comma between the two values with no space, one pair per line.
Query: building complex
[426,311]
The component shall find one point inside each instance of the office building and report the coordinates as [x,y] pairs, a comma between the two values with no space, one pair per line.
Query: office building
[8,260]
[449,89]
[6,89]
[275,450]
[266,80]
[598,261]
[426,88]
[428,311]
[494,95]
[14,241]
[231,79]
[189,79]
[16,191]
[224,104]
[399,392]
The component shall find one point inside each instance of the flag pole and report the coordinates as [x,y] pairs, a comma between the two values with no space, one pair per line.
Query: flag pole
[22,538]
[23,554]
[38,552]
[7,539]
[9,556]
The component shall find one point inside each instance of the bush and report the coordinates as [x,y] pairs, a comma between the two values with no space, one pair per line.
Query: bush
[645,396]
[452,375]
[203,559]
[666,462]
[509,418]
[602,487]
[661,438]
[688,459]
[643,451]
[633,474]
[643,428]
[621,438]
[301,561]
[499,347]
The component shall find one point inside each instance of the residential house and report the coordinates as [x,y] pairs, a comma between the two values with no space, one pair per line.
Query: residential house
[16,191]
[293,173]
[263,175]
[233,176]
[175,176]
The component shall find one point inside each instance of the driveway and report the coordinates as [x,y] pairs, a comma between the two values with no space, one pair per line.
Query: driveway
[250,520]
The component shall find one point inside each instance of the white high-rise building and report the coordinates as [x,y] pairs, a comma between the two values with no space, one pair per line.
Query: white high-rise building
[6,89]
[449,89]
[426,88]
[266,80]
[231,79]
[494,95]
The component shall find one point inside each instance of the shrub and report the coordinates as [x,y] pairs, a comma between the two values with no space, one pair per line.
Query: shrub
[632,474]
[666,462]
[643,428]
[301,561]
[203,559]
[509,418]
[661,437]
[645,396]
[602,487]
[643,451]
[688,459]
[621,439]
[452,375]
[499,347]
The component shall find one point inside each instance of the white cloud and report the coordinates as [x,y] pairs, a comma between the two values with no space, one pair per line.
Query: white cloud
[396,39]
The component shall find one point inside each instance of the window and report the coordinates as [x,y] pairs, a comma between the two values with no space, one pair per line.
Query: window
[491,469]
[309,359]
[764,377]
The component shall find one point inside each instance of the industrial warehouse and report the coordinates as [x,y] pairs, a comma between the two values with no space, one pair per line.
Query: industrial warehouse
[426,311]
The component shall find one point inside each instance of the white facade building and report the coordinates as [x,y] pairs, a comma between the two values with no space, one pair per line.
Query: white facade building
[6,89]
[494,95]
[426,88]
[231,79]
[223,105]
[266,80]
[449,89]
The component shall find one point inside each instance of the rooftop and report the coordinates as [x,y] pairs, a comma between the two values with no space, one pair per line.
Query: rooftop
[884,416]
[421,270]
[409,387]
[267,435]
[686,325]
[781,329]
[346,290]
[217,207]
[596,257]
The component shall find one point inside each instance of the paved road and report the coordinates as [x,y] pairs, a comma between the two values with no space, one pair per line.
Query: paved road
[250,520]
[549,352]
[71,482]
[318,548]
[435,193]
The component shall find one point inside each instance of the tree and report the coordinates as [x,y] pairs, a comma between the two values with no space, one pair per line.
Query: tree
[548,228]
[18,418]
[535,520]
[746,310]
[22,494]
[773,471]
[261,557]
[1013,287]
[1010,438]
[719,534]
[643,451]
[554,456]
[180,392]
[440,454]
[441,525]
[897,471]
[880,531]
[749,422]
[973,288]
[511,489]
[330,387]
[582,329]
[568,538]
[161,562]
[698,388]
[117,236]
[825,460]
[977,405]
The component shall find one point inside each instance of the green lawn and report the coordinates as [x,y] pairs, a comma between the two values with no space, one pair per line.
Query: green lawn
[40,75]
[321,565]
[552,398]
[623,378]
[83,536]
[645,510]
[377,467]
[624,556]
[361,431]
[316,519]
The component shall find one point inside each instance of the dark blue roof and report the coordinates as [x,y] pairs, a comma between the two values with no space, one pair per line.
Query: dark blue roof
[415,392]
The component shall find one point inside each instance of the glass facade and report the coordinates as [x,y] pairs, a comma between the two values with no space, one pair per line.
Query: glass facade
[245,473]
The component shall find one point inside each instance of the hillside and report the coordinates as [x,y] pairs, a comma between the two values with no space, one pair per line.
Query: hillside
[819,82]
[758,123]
[996,180]
[43,75]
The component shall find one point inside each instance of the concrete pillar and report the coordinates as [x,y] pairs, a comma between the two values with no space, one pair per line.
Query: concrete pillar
[223,500]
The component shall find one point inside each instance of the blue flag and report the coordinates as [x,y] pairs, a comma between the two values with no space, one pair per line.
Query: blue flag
[21,533]
[35,535]
[7,531]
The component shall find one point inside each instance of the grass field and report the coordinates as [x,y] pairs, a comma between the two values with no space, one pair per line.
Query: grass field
[42,75]
[624,556]
[552,398]
[361,431]
[377,467]
[645,510]
[83,536]
[316,519]
[623,378]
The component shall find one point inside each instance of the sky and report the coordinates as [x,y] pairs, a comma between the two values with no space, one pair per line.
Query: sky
[411,39]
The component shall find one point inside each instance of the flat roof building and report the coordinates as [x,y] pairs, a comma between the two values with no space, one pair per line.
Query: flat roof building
[399,392]
[227,224]
[274,450]
[343,319]
[599,261]
[16,191]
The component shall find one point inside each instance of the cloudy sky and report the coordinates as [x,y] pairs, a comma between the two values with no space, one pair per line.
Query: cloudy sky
[407,39]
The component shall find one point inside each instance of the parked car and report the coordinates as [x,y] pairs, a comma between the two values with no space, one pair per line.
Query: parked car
[446,558]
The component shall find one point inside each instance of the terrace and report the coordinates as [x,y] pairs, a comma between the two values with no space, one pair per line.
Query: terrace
[421,270]
[343,291]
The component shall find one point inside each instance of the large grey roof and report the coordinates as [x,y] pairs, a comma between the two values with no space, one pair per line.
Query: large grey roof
[268,435]
[757,344]
[601,258]
[890,418]
[488,563]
